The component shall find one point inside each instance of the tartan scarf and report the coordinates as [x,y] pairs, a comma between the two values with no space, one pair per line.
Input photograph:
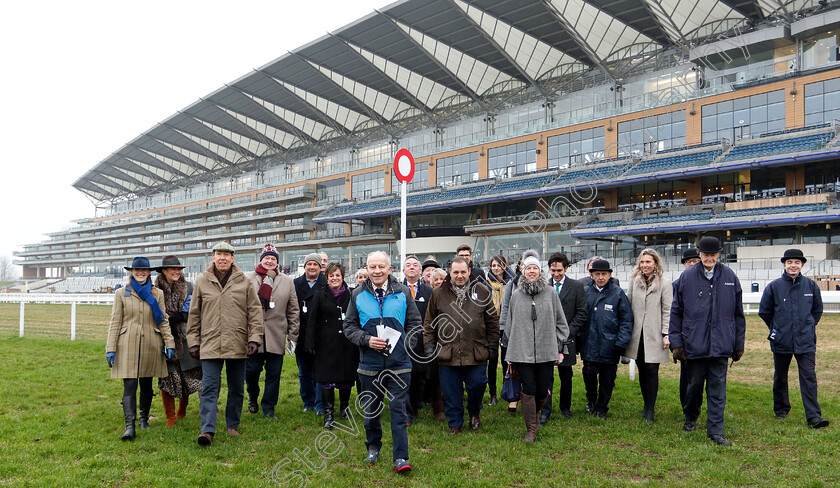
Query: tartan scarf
[267,285]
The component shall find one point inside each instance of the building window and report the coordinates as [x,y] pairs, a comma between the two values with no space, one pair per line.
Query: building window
[822,102]
[367,185]
[419,182]
[456,170]
[651,134]
[512,159]
[576,148]
[330,191]
[745,117]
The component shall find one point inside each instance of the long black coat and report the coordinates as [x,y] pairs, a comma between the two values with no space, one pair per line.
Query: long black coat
[573,299]
[304,295]
[336,358]
[421,298]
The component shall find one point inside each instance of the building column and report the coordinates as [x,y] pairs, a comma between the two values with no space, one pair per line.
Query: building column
[794,104]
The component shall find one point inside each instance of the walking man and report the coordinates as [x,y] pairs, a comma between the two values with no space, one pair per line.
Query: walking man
[225,326]
[791,306]
[707,328]
[383,306]
[462,321]
[306,286]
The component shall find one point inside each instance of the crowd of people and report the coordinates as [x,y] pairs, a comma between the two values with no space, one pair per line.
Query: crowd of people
[439,333]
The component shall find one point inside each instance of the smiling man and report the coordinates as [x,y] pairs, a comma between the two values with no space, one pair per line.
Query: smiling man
[791,306]
[382,305]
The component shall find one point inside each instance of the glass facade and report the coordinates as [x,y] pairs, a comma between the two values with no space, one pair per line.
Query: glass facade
[455,170]
[330,191]
[575,148]
[648,135]
[744,117]
[822,102]
[367,185]
[512,159]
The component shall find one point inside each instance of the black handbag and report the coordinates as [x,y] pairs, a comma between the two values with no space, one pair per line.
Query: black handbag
[511,386]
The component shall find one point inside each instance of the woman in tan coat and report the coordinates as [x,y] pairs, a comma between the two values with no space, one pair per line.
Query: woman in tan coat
[650,297]
[136,337]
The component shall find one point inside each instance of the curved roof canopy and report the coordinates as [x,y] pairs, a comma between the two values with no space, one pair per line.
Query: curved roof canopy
[413,64]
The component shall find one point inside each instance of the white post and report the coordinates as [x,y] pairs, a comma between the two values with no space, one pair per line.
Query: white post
[403,224]
[73,321]
[21,318]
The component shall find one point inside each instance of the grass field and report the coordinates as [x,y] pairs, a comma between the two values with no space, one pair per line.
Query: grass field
[60,422]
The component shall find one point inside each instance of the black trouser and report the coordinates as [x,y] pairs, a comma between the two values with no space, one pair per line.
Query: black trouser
[130,386]
[807,384]
[599,379]
[415,391]
[565,374]
[713,372]
[648,377]
[492,366]
[536,378]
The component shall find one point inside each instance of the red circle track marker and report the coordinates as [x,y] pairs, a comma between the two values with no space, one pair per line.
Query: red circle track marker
[404,166]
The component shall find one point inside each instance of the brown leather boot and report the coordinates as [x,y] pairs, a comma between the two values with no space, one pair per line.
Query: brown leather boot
[529,411]
[169,408]
[182,407]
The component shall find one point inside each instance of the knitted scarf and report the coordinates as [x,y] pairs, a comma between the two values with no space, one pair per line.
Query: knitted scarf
[144,291]
[267,276]
[337,294]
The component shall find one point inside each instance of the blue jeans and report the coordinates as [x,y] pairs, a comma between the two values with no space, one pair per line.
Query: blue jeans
[453,379]
[310,392]
[273,367]
[211,370]
[371,398]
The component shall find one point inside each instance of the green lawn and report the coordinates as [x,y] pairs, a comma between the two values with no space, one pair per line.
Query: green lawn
[60,422]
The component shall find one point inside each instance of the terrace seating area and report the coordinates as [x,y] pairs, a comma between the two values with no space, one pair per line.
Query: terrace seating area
[597,224]
[659,219]
[674,162]
[808,207]
[778,147]
[591,174]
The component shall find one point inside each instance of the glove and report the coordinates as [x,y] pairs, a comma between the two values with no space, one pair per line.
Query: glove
[619,351]
[109,356]
[194,352]
[170,353]
[736,356]
[186,306]
[679,354]
[494,352]
[310,350]
[253,347]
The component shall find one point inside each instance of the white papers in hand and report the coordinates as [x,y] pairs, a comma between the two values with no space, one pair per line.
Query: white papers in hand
[389,334]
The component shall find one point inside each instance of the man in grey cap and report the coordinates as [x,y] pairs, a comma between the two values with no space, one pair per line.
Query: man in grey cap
[791,306]
[224,327]
[306,285]
[707,328]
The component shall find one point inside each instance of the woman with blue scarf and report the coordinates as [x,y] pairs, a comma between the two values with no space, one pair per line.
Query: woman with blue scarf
[135,352]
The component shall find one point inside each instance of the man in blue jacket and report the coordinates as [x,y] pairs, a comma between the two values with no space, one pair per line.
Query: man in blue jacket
[791,306]
[383,303]
[707,328]
[608,332]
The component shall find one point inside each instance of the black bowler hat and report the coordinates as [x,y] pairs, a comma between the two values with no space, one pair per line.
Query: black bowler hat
[794,254]
[139,263]
[430,263]
[169,262]
[690,254]
[600,265]
[709,245]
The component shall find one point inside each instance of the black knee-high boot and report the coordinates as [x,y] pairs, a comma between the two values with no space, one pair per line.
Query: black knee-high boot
[328,400]
[129,404]
[146,395]
[344,402]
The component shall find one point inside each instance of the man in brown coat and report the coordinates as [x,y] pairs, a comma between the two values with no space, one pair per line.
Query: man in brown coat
[225,326]
[280,308]
[461,326]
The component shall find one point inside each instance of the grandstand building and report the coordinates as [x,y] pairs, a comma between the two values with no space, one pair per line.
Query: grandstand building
[588,126]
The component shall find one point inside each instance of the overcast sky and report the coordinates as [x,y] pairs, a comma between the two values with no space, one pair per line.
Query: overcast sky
[80,79]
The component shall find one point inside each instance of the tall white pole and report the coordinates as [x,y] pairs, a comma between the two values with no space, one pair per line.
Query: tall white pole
[403,224]
[21,318]
[73,321]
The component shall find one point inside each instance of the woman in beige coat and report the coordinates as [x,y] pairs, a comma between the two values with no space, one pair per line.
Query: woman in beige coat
[650,297]
[136,337]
